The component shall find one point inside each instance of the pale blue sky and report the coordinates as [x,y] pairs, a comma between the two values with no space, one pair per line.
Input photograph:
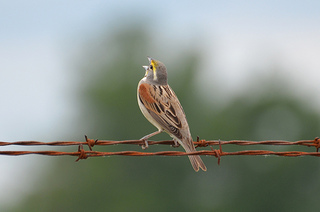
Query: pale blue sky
[34,18]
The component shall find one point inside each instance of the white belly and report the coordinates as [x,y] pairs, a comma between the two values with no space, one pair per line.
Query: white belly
[146,113]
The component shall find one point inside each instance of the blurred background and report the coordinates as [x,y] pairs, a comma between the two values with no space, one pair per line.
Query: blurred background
[242,70]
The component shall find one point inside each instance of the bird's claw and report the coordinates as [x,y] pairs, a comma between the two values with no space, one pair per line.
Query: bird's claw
[176,144]
[145,145]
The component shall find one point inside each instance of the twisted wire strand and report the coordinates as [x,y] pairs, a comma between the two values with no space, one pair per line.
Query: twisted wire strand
[163,153]
[82,154]
[199,143]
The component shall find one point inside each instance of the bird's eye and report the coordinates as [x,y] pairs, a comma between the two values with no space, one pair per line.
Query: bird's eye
[151,67]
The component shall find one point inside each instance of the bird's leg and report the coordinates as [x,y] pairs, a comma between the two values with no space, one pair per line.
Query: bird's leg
[176,144]
[145,139]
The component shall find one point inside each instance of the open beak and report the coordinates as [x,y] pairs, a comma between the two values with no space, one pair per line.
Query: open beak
[145,67]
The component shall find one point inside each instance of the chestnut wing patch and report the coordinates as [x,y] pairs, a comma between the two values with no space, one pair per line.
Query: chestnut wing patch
[161,103]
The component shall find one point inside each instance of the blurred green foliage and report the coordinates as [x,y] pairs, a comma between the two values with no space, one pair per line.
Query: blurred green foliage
[109,110]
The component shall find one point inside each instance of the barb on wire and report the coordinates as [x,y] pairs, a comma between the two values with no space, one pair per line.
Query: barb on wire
[82,154]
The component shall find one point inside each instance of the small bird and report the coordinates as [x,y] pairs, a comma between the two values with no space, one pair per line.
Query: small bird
[161,107]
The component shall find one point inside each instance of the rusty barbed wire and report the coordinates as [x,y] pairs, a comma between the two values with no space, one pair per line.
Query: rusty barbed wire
[82,154]
[198,143]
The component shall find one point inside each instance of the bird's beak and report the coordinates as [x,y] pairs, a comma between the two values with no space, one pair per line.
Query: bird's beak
[149,58]
[145,67]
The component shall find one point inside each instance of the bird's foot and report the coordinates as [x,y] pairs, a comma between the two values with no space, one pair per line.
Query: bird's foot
[176,144]
[145,145]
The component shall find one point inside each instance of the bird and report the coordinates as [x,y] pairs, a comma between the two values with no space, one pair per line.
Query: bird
[161,107]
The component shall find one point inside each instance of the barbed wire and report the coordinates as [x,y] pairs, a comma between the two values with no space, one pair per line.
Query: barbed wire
[198,142]
[82,154]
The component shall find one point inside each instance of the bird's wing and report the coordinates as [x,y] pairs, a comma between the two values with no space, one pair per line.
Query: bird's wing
[162,104]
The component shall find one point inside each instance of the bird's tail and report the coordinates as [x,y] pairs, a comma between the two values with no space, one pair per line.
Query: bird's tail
[195,160]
